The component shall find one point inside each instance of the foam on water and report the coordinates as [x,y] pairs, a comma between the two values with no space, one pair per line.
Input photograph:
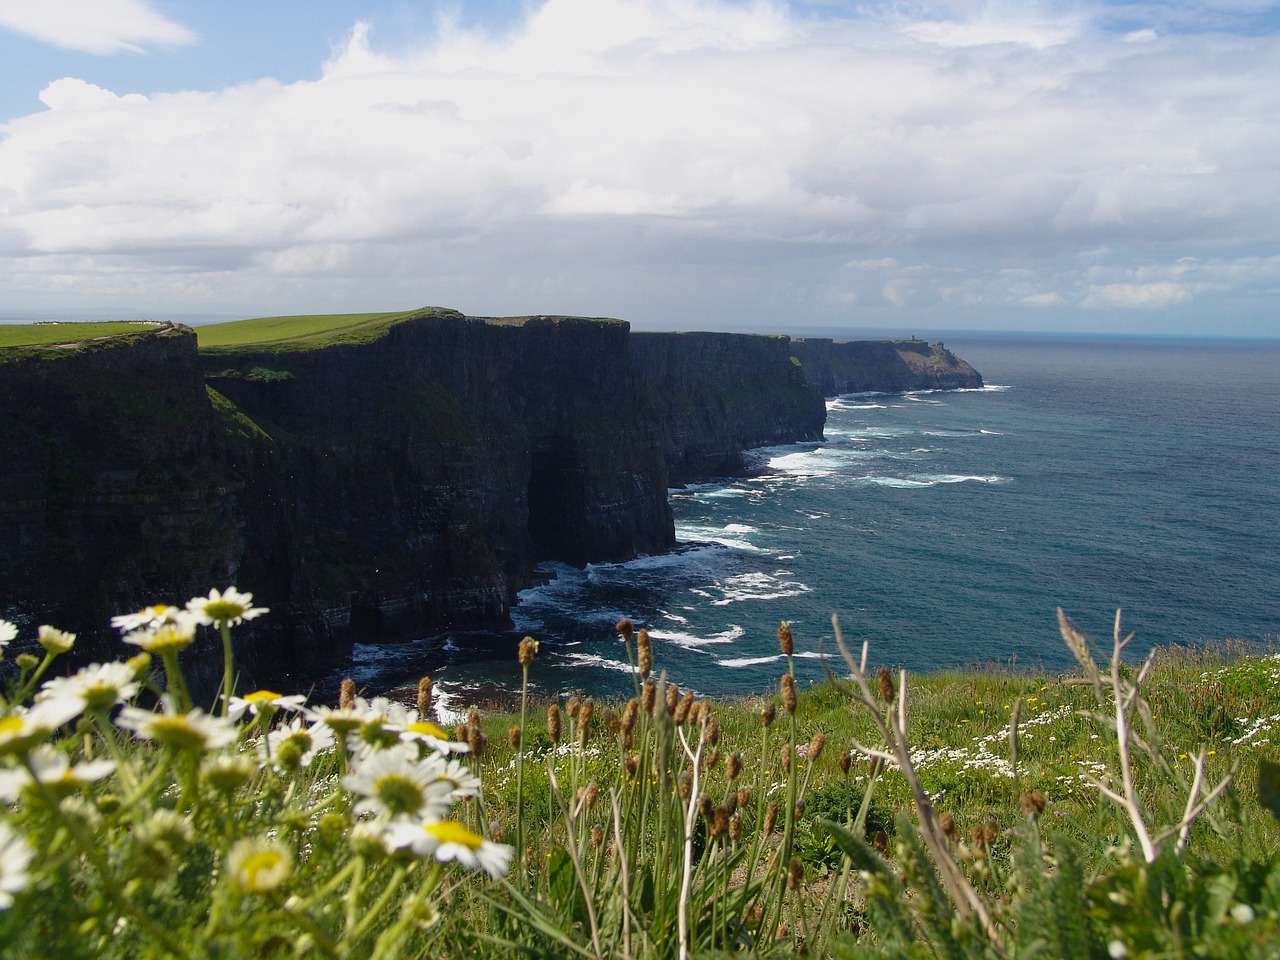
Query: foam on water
[689,641]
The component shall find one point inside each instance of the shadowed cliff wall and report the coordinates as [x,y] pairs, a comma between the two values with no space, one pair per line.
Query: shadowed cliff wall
[717,394]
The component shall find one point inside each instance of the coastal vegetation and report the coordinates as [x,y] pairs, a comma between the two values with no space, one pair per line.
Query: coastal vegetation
[1126,810]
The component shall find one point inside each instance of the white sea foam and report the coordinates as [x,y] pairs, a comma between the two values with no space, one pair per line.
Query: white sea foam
[756,586]
[593,660]
[806,464]
[739,528]
[738,663]
[689,641]
[920,481]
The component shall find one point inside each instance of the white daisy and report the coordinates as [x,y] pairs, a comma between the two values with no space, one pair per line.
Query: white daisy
[54,770]
[8,633]
[449,841]
[229,607]
[257,864]
[395,784]
[195,730]
[382,722]
[263,701]
[16,855]
[23,729]
[99,686]
[424,731]
[148,617]
[164,638]
[54,640]
[297,740]
[338,719]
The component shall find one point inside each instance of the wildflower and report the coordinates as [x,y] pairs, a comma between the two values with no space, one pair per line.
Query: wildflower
[259,865]
[56,641]
[340,720]
[195,730]
[347,694]
[553,723]
[295,745]
[789,692]
[644,654]
[625,628]
[263,702]
[449,841]
[886,685]
[527,651]
[163,638]
[8,633]
[52,769]
[99,686]
[649,695]
[396,784]
[673,698]
[767,713]
[148,617]
[815,746]
[424,731]
[229,607]
[16,855]
[228,772]
[24,729]
[424,696]
[629,718]
[381,721]
[683,707]
[584,720]
[785,640]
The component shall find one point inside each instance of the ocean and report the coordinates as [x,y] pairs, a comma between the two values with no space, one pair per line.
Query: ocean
[943,527]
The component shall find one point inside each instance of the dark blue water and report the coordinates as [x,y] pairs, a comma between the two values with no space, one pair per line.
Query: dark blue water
[947,527]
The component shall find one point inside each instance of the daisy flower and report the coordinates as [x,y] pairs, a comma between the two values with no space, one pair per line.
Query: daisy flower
[8,633]
[382,722]
[229,607]
[99,686]
[258,865]
[263,701]
[424,731]
[54,770]
[395,784]
[449,841]
[164,638]
[55,641]
[196,730]
[23,729]
[148,617]
[338,719]
[15,856]
[295,740]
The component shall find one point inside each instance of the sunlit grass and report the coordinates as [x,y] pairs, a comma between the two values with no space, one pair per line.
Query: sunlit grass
[45,334]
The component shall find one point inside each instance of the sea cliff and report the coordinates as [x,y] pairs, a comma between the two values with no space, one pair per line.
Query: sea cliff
[396,483]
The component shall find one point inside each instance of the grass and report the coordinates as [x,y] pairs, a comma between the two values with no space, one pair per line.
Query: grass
[45,334]
[665,827]
[304,332]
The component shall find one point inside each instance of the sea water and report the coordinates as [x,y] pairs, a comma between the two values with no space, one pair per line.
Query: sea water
[945,528]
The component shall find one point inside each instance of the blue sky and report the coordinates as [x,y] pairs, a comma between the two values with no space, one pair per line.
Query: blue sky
[697,164]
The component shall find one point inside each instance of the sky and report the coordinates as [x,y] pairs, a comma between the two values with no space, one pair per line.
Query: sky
[1061,166]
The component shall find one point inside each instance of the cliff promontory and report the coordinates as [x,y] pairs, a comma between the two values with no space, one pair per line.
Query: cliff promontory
[856,366]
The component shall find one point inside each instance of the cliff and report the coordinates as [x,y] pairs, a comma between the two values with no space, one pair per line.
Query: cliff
[379,476]
[113,489]
[857,366]
[718,394]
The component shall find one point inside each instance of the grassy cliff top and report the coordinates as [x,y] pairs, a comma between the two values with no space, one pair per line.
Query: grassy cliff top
[68,332]
[306,332]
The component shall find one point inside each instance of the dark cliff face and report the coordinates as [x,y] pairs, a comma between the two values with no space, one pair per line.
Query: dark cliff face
[410,485]
[717,394]
[857,366]
[113,490]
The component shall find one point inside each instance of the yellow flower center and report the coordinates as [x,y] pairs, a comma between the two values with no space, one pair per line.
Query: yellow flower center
[399,794]
[262,696]
[450,831]
[262,870]
[10,724]
[427,728]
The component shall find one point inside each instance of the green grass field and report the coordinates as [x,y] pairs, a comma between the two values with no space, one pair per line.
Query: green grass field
[44,334]
[301,332]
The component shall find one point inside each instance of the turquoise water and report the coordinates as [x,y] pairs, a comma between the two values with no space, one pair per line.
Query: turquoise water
[946,528]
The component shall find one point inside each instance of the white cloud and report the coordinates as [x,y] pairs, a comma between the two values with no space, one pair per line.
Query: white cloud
[635,157]
[94,26]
